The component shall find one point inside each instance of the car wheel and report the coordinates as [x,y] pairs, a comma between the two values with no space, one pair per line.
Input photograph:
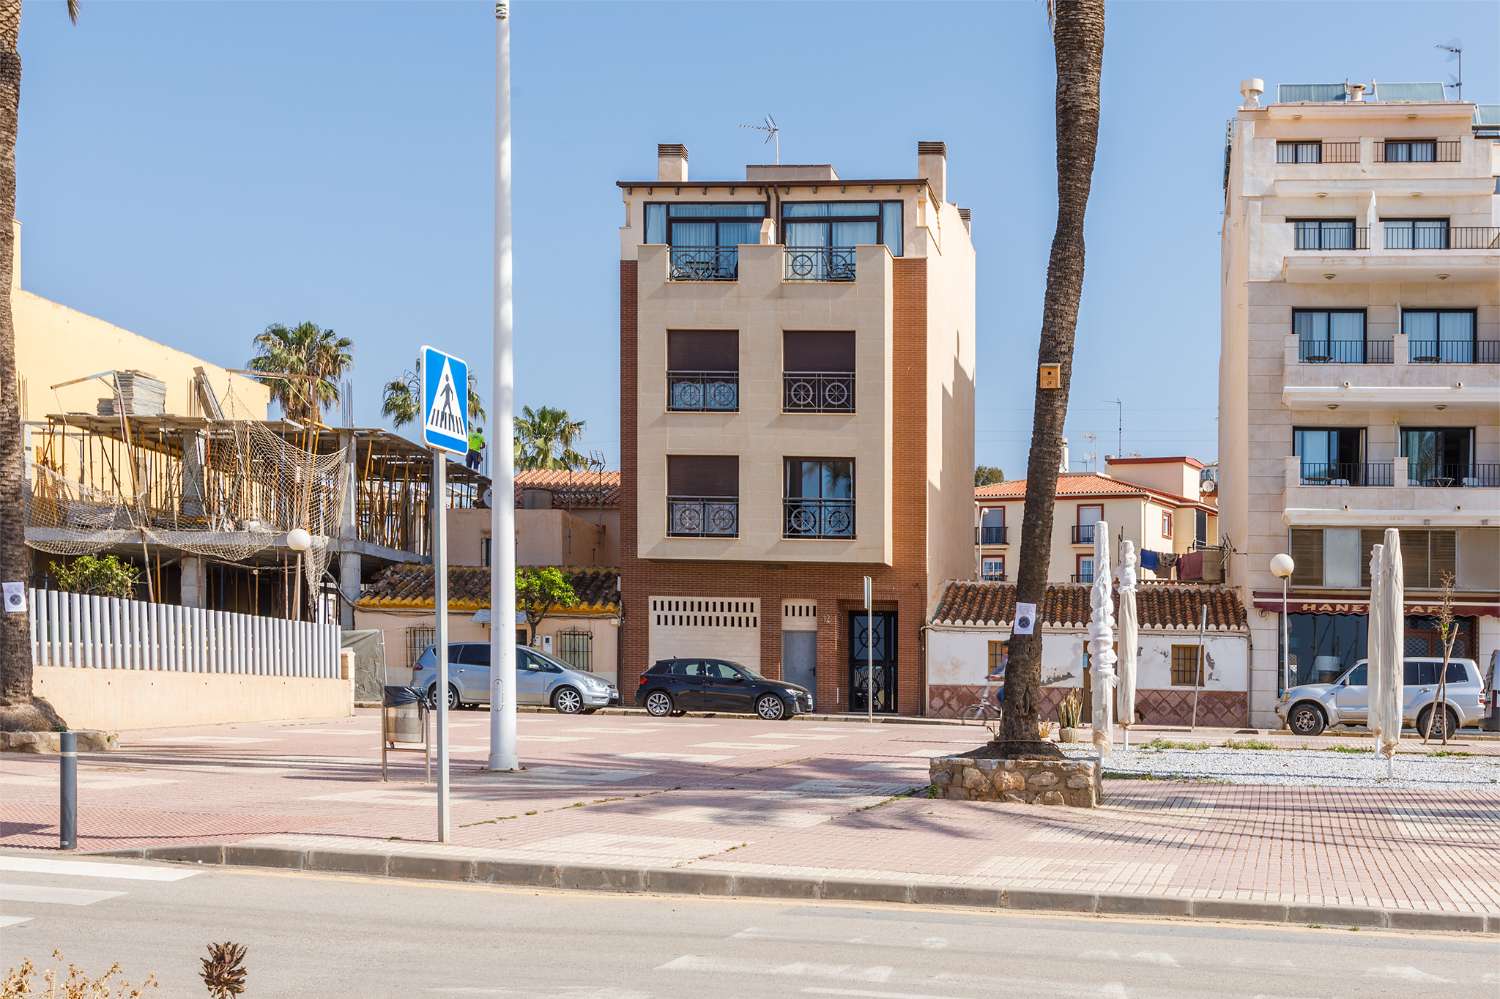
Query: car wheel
[659,704]
[567,701]
[1305,719]
[432,697]
[771,708]
[1447,718]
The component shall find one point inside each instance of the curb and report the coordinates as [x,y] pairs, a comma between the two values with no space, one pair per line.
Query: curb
[536,709]
[431,865]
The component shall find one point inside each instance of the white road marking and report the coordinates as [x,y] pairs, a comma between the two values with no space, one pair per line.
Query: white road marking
[371,734]
[564,775]
[1157,957]
[878,974]
[869,994]
[1405,972]
[743,745]
[805,736]
[217,740]
[89,869]
[54,896]
[678,757]
[13,921]
[528,737]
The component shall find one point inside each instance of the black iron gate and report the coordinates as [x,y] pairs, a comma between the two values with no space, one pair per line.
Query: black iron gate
[884,647]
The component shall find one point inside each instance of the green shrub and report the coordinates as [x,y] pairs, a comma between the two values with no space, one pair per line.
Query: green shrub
[109,576]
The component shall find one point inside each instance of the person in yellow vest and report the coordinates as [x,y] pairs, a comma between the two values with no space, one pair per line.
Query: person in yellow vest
[476,448]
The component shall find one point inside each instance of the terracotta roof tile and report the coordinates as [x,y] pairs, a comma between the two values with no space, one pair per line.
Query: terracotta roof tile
[409,587]
[572,490]
[1075,485]
[1159,605]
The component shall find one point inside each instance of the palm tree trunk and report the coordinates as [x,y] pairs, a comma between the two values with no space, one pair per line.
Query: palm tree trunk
[1078,41]
[18,710]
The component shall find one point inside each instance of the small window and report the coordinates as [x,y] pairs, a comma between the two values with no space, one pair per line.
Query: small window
[484,550]
[1187,666]
[1166,523]
[1085,569]
[1299,152]
[999,658]
[993,569]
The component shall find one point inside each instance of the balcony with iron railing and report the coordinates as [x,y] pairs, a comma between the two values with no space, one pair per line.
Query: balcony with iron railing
[1445,237]
[1082,577]
[817,517]
[817,392]
[704,263]
[703,391]
[1453,351]
[1082,534]
[990,535]
[1344,473]
[703,516]
[1321,350]
[1395,491]
[820,263]
[1441,475]
[1418,152]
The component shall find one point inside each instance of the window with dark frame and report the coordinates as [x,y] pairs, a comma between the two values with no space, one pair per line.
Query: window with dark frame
[1334,456]
[1334,336]
[704,236]
[418,638]
[817,371]
[1187,666]
[1325,234]
[1300,152]
[1084,566]
[818,498]
[1415,234]
[1409,150]
[1088,515]
[820,236]
[1166,523]
[703,371]
[1445,336]
[992,525]
[998,659]
[992,568]
[703,495]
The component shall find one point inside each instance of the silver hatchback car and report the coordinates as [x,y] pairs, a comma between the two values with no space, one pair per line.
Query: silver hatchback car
[540,679]
[1312,707]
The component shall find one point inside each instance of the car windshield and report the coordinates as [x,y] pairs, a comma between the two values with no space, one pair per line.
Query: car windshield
[750,674]
[548,659]
[1358,676]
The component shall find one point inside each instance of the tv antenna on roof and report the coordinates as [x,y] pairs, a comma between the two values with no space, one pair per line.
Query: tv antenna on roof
[1455,50]
[773,134]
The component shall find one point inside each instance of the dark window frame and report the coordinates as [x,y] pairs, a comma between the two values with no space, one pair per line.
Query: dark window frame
[1438,314]
[1182,665]
[820,500]
[1351,223]
[1364,328]
[765,207]
[1447,231]
[878,218]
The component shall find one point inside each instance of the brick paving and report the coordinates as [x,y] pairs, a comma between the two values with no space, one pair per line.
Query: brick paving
[805,798]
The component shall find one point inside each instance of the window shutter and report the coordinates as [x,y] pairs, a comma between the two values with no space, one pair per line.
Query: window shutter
[1307,554]
[1415,564]
[1444,555]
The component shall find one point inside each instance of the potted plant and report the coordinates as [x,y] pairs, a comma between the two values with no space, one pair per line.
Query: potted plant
[1070,718]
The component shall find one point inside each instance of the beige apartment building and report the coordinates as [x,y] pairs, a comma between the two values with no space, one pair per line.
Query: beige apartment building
[797,399]
[1164,506]
[1360,366]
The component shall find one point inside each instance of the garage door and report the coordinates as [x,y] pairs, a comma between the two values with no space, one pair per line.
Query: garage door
[720,627]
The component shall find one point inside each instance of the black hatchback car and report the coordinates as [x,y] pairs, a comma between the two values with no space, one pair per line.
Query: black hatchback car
[677,686]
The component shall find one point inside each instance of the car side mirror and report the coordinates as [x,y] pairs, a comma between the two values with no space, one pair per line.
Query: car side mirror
[736,679]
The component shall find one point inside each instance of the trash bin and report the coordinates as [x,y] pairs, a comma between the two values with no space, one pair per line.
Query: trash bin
[402,714]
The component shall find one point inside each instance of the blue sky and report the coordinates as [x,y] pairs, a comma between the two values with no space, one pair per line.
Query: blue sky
[195,170]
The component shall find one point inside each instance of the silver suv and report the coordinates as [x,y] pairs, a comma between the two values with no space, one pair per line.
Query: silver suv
[540,679]
[1312,707]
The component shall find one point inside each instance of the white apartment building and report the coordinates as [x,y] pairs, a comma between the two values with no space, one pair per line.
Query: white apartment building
[1359,376]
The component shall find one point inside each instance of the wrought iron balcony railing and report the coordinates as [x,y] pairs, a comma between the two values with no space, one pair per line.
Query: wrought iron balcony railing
[1454,351]
[703,516]
[818,518]
[989,535]
[1345,473]
[1406,151]
[703,391]
[1321,236]
[1446,237]
[992,577]
[1083,577]
[820,263]
[1311,350]
[1082,534]
[817,392]
[1449,475]
[705,263]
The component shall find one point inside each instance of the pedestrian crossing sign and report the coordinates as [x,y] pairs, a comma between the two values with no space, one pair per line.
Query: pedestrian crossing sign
[445,401]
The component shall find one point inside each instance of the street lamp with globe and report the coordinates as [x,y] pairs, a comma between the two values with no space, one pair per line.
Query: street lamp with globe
[1282,567]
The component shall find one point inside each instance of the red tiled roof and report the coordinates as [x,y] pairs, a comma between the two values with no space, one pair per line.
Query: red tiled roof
[1158,605]
[572,489]
[1086,485]
[409,587]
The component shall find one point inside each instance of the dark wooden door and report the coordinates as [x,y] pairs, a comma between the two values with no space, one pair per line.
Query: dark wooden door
[882,642]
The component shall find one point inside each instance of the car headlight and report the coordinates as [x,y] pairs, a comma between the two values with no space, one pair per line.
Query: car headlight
[793,694]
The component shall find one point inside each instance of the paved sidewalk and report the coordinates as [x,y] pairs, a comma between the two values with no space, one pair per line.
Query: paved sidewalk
[817,803]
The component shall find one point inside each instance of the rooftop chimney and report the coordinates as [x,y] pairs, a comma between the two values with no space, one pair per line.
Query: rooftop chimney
[671,162]
[1250,91]
[932,163]
[1063,465]
[1356,91]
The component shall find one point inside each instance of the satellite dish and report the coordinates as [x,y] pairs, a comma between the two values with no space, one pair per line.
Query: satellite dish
[1208,486]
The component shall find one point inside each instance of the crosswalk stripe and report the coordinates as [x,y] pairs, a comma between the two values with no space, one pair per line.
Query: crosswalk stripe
[13,921]
[90,869]
[54,896]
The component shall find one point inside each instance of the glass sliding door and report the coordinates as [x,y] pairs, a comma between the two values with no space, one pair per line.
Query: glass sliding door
[1438,456]
[1333,336]
[1439,336]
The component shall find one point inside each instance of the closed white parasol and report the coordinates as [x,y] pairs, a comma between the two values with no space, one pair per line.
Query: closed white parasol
[1129,632]
[1102,640]
[1374,654]
[1385,712]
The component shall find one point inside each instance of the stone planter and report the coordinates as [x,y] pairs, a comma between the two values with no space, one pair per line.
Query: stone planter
[1073,735]
[1038,782]
[89,741]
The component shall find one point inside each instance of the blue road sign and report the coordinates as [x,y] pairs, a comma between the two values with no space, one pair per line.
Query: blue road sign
[445,401]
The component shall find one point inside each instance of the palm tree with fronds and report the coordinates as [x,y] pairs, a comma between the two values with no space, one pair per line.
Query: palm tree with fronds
[545,439]
[20,709]
[314,357]
[401,398]
[1078,45]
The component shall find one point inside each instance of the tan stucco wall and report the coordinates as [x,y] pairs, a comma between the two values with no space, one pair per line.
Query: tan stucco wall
[56,344]
[589,537]
[760,305]
[136,699]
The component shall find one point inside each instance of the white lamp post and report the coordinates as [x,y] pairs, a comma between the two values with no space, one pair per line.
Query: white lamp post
[1282,567]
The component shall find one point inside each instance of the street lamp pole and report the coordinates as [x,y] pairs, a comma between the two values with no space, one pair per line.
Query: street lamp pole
[1282,567]
[503,483]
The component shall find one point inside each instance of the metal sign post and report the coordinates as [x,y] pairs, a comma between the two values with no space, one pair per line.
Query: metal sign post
[869,650]
[445,429]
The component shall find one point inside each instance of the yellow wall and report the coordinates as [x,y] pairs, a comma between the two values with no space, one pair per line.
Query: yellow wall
[126,699]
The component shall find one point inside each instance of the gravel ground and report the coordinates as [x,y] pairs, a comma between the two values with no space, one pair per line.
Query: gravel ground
[1311,768]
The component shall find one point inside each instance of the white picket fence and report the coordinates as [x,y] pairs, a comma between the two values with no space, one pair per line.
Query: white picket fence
[78,629]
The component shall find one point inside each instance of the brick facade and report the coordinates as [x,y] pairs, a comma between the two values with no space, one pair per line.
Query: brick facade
[837,588]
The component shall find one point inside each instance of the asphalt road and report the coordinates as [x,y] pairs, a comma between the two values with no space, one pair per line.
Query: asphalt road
[312,935]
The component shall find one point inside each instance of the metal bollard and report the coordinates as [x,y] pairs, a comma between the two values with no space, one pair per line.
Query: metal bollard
[67,812]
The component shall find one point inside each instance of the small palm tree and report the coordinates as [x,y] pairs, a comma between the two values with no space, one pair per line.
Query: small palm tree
[315,357]
[20,709]
[401,399]
[1078,42]
[545,439]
